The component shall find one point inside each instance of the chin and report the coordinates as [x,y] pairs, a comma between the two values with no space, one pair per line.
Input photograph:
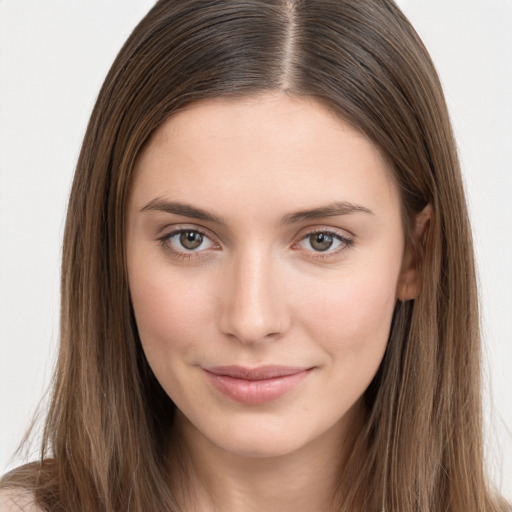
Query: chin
[267,435]
[261,446]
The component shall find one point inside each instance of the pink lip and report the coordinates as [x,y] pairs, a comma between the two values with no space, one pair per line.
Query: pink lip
[255,386]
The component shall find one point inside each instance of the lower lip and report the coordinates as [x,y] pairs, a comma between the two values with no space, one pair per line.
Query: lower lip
[256,392]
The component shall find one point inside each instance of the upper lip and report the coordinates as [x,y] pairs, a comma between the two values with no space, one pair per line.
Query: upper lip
[258,373]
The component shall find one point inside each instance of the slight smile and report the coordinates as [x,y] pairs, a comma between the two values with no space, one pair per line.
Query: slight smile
[255,386]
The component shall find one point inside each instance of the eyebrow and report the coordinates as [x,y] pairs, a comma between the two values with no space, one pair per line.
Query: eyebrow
[331,210]
[183,209]
[187,210]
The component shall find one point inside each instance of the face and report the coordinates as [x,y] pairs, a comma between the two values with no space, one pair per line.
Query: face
[264,251]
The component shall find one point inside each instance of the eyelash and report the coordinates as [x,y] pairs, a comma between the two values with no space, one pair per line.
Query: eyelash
[344,243]
[184,255]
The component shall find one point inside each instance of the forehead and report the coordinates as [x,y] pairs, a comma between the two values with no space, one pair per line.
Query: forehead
[271,147]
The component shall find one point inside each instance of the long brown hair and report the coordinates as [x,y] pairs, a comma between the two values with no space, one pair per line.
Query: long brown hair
[109,420]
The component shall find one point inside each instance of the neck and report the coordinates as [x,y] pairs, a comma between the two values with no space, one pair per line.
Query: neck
[209,479]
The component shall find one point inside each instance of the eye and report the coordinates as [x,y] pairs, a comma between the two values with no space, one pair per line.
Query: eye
[185,241]
[324,242]
[190,240]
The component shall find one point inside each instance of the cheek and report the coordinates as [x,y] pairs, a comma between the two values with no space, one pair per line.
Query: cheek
[171,315]
[351,321]
[351,326]
[173,320]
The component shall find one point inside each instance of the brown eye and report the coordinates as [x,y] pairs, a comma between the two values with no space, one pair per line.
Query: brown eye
[321,241]
[187,242]
[191,240]
[327,242]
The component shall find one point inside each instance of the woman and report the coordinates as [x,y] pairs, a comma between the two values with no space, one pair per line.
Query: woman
[268,293]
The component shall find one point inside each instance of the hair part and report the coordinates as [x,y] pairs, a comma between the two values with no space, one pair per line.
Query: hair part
[288,47]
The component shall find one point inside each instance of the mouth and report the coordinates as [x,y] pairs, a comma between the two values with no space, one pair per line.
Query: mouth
[255,386]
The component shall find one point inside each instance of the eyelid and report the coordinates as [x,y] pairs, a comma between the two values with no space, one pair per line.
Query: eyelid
[167,233]
[346,240]
[322,228]
[169,228]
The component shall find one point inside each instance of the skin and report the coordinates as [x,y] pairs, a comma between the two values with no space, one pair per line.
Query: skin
[14,500]
[257,292]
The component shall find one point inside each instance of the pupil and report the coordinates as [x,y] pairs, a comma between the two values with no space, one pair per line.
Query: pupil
[191,239]
[320,241]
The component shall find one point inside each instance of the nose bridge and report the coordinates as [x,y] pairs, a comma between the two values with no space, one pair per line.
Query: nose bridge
[253,309]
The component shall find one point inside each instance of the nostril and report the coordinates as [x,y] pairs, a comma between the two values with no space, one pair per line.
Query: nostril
[251,325]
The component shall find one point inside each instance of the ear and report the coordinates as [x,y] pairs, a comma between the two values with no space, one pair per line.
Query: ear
[409,283]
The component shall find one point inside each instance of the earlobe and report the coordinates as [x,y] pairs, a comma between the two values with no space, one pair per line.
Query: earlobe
[409,284]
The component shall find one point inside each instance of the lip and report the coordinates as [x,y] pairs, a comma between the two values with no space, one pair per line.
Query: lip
[255,386]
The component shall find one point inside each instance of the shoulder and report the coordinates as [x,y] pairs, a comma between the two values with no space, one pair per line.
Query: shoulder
[16,500]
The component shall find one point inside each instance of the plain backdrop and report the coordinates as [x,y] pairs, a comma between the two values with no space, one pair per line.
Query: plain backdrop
[54,55]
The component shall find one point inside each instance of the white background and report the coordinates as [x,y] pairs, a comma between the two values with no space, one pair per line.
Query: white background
[53,58]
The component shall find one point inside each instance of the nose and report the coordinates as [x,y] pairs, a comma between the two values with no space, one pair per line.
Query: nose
[253,305]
